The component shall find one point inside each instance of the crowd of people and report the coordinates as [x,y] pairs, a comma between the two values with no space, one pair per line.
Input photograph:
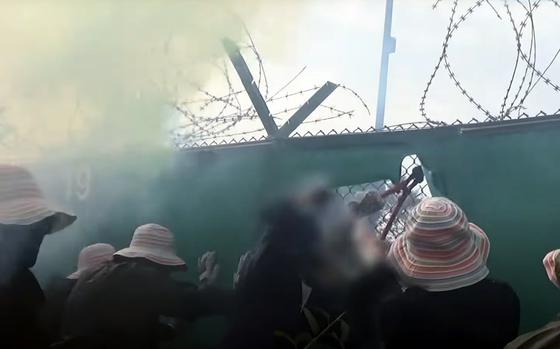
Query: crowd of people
[316,278]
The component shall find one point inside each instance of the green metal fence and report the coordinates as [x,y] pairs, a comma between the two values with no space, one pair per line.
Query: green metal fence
[504,175]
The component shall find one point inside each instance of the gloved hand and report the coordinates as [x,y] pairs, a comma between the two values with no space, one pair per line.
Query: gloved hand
[241,269]
[370,203]
[208,269]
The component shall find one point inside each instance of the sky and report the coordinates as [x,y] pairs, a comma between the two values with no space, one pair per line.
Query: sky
[107,74]
[341,41]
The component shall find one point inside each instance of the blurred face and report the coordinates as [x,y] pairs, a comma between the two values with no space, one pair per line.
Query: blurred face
[348,246]
[336,258]
[19,244]
[370,249]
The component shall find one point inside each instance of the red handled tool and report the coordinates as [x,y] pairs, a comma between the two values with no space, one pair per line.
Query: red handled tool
[405,188]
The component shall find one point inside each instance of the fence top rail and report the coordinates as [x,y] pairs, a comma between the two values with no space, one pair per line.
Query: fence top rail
[359,135]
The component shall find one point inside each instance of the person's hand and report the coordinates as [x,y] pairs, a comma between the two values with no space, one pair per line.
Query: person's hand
[208,269]
[371,203]
[241,269]
[370,248]
[382,247]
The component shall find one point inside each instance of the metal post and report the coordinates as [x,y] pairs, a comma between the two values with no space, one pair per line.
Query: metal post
[389,44]
[251,87]
[306,109]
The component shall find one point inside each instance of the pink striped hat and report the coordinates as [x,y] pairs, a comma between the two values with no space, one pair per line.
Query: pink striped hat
[440,250]
[551,263]
[155,243]
[92,256]
[23,203]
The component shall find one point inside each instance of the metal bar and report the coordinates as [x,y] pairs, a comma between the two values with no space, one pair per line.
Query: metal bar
[306,109]
[251,87]
[389,44]
[510,127]
[392,138]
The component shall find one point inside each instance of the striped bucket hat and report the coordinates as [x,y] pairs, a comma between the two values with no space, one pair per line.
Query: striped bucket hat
[154,243]
[91,257]
[23,203]
[440,250]
[552,265]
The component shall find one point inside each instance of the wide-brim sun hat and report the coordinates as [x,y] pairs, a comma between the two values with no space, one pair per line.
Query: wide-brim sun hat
[22,201]
[440,249]
[92,256]
[551,264]
[154,243]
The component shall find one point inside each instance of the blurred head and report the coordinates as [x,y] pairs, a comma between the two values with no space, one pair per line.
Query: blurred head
[318,231]
[290,232]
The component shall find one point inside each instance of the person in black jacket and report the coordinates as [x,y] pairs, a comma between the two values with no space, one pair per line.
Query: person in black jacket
[448,299]
[120,304]
[292,279]
[548,336]
[58,290]
[25,220]
[270,291]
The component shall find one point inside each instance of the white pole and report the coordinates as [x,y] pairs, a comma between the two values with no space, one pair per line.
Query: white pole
[389,44]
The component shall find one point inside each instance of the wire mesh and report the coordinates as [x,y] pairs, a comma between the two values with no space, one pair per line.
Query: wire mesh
[378,221]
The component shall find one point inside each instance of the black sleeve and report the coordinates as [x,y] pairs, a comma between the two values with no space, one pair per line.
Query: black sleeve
[51,314]
[208,302]
[511,315]
[365,299]
[189,303]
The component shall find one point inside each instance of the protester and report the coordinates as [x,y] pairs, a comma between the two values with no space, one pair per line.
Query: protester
[269,294]
[449,301]
[25,219]
[306,252]
[120,304]
[91,257]
[547,337]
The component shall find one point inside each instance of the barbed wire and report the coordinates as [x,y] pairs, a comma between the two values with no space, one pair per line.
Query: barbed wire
[447,65]
[262,72]
[222,115]
[518,55]
[338,114]
[272,98]
[438,64]
[451,28]
[216,116]
[532,51]
[527,78]
[291,94]
[531,58]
